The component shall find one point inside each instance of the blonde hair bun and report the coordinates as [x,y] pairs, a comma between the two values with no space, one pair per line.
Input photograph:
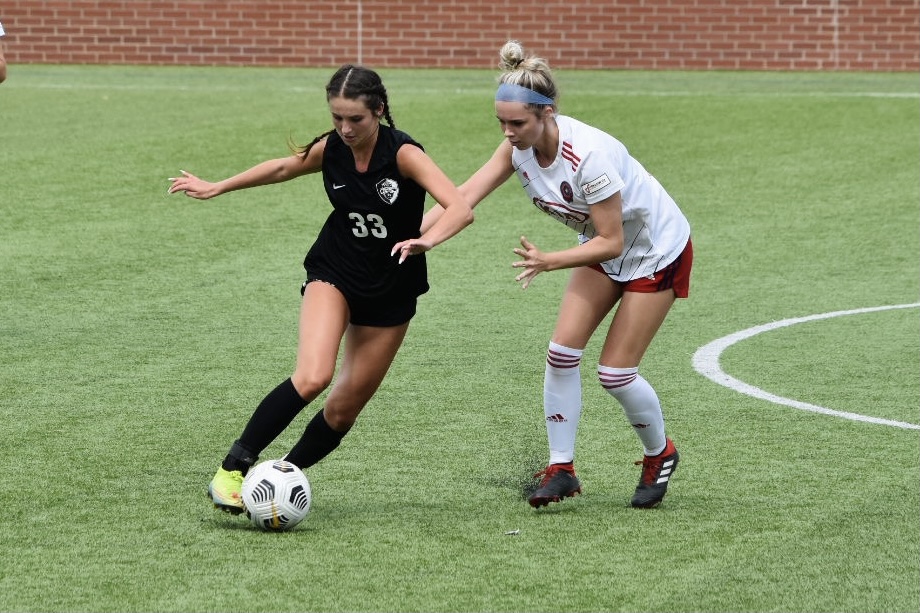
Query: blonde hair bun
[511,55]
[526,70]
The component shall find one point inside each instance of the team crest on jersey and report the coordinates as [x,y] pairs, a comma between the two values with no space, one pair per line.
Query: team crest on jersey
[388,190]
[566,190]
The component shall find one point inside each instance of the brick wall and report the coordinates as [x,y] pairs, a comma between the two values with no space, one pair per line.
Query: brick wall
[641,34]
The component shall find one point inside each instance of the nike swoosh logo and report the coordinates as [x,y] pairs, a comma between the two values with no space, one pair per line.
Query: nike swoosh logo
[335,186]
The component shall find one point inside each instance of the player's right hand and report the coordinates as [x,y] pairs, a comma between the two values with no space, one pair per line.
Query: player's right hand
[192,186]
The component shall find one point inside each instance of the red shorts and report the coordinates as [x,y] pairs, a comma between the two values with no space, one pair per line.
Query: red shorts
[675,276]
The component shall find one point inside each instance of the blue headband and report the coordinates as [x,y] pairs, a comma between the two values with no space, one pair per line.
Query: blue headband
[509,92]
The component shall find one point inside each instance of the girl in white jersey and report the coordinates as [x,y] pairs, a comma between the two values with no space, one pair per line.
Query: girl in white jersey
[633,249]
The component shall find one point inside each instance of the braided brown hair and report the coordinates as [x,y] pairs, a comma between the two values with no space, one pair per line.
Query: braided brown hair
[354,82]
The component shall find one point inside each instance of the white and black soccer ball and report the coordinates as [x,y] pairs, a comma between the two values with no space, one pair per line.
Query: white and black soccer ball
[276,494]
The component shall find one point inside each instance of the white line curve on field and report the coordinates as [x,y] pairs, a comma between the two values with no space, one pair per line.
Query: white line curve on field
[706,362]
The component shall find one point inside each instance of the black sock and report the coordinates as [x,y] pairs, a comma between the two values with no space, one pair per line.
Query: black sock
[240,458]
[275,413]
[318,441]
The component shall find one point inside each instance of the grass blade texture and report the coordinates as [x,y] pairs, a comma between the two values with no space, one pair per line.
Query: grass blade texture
[139,331]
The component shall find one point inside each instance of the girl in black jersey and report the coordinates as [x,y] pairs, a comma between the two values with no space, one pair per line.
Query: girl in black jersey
[361,284]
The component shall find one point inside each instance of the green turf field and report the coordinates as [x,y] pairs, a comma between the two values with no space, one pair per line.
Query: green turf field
[139,330]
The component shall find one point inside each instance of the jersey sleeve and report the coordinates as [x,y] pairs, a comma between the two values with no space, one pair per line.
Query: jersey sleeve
[597,176]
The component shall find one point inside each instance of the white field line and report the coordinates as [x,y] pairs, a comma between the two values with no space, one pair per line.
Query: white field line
[754,94]
[460,90]
[706,362]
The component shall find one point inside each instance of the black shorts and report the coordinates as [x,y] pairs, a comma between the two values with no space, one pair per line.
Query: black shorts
[379,312]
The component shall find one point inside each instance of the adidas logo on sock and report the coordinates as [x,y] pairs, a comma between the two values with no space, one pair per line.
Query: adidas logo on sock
[557,418]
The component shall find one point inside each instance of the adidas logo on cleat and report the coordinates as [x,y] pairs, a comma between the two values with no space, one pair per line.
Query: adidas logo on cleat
[656,472]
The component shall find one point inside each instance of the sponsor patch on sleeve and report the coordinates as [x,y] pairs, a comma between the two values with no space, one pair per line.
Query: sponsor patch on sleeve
[595,184]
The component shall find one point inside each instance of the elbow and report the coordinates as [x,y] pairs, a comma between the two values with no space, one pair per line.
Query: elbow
[462,215]
[468,217]
[614,250]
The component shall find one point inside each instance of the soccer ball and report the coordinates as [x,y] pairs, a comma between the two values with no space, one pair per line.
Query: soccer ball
[276,495]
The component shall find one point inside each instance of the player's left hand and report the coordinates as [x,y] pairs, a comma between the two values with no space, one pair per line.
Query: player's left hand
[413,246]
[534,262]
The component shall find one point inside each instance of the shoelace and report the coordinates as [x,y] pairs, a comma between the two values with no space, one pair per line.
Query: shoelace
[237,477]
[650,468]
[548,472]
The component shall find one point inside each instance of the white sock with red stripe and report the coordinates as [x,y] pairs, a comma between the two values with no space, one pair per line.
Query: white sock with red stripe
[562,401]
[640,404]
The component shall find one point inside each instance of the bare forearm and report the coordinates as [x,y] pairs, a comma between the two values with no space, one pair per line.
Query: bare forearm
[270,171]
[265,173]
[431,217]
[446,223]
[594,251]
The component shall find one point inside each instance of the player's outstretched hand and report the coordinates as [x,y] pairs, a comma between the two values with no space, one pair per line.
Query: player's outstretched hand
[534,262]
[192,186]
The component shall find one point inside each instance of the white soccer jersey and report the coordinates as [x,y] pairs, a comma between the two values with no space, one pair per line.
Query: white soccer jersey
[591,166]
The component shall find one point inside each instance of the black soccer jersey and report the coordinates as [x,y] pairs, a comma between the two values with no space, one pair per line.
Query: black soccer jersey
[372,211]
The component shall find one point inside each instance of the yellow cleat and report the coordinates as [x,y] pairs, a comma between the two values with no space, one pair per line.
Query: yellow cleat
[226,490]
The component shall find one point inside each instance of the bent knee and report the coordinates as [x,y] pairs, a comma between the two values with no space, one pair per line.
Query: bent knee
[310,384]
[616,380]
[340,421]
